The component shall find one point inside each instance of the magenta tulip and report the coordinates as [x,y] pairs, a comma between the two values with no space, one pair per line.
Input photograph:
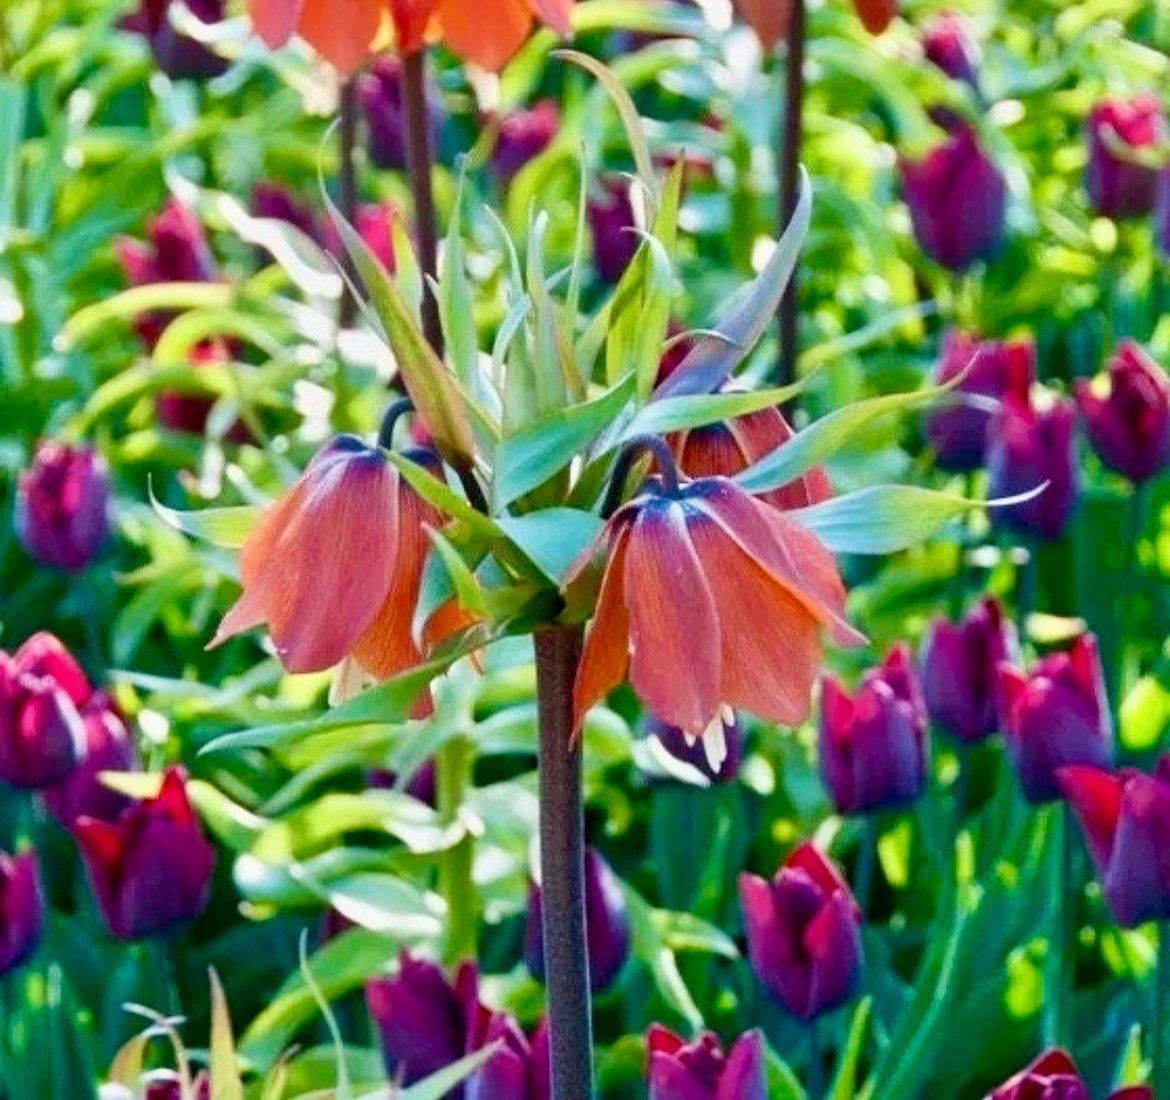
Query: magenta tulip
[1119,131]
[63,506]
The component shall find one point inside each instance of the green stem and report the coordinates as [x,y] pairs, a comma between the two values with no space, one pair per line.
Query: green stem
[453,775]
[816,1085]
[1058,985]
[1160,1049]
[866,860]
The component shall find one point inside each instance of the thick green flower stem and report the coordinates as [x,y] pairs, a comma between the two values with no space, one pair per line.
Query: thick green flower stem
[815,1085]
[453,775]
[866,861]
[1058,980]
[420,165]
[1159,1043]
[347,180]
[562,872]
[789,191]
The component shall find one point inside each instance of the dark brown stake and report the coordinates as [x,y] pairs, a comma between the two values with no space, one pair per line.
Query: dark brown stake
[562,871]
[789,153]
[420,162]
[347,182]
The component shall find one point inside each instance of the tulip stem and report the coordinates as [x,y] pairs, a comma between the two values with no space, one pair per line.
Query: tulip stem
[420,165]
[454,775]
[632,450]
[789,158]
[866,860]
[562,866]
[1058,989]
[1160,1049]
[816,1086]
[347,181]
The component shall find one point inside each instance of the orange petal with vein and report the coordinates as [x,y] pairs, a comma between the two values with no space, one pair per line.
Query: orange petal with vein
[606,654]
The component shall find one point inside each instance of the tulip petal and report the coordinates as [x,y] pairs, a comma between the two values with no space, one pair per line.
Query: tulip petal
[342,31]
[1095,796]
[606,655]
[743,1076]
[485,39]
[556,14]
[275,20]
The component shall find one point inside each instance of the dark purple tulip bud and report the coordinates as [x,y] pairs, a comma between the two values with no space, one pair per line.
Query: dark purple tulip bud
[380,95]
[697,752]
[699,1070]
[518,1071]
[274,200]
[958,667]
[150,870]
[524,135]
[41,734]
[63,506]
[1055,716]
[1162,213]
[607,925]
[424,1021]
[1125,816]
[1119,130]
[178,55]
[873,747]
[43,655]
[375,225]
[803,933]
[1129,423]
[108,748]
[999,369]
[949,42]
[958,201]
[1026,448]
[22,909]
[612,222]
[166,1085]
[420,785]
[1054,1076]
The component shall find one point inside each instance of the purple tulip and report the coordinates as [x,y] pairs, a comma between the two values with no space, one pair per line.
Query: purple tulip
[958,201]
[1027,448]
[41,734]
[1054,1076]
[873,747]
[22,909]
[166,1085]
[675,743]
[524,135]
[803,933]
[274,200]
[519,1070]
[43,655]
[958,669]
[380,95]
[1162,213]
[607,925]
[1054,716]
[420,785]
[1125,816]
[1129,425]
[611,221]
[999,369]
[108,748]
[151,869]
[178,55]
[1118,186]
[949,43]
[699,1070]
[62,513]
[374,223]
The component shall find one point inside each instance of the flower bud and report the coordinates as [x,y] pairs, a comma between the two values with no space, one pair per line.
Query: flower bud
[607,925]
[63,506]
[957,197]
[958,664]
[523,136]
[380,95]
[1056,715]
[519,1070]
[178,55]
[699,1070]
[1054,1076]
[803,933]
[996,369]
[611,220]
[167,1085]
[1120,187]
[44,655]
[108,748]
[949,43]
[1028,448]
[22,909]
[1162,213]
[41,734]
[1129,424]
[274,200]
[150,870]
[873,747]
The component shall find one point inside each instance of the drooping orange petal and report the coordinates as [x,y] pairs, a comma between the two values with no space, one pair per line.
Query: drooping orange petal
[411,21]
[768,18]
[770,645]
[556,14]
[674,626]
[606,654]
[275,20]
[341,31]
[876,15]
[486,34]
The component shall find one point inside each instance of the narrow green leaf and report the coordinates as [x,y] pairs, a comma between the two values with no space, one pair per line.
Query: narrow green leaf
[455,302]
[225,1077]
[142,299]
[225,527]
[845,1083]
[676,414]
[553,537]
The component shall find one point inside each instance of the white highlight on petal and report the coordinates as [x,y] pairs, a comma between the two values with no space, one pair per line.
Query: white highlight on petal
[715,737]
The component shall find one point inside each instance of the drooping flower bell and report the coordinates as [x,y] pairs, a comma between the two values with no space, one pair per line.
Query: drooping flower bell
[712,601]
[334,567]
[1119,130]
[949,42]
[62,515]
[523,135]
[151,869]
[42,738]
[1056,715]
[1125,816]
[873,746]
[958,670]
[699,754]
[178,55]
[611,222]
[607,925]
[1054,1076]
[109,747]
[1129,423]
[803,933]
[1028,446]
[769,19]
[22,909]
[957,197]
[995,369]
[700,1070]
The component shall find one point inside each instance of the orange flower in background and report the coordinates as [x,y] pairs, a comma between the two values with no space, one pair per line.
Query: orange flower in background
[711,600]
[770,19]
[344,32]
[876,15]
